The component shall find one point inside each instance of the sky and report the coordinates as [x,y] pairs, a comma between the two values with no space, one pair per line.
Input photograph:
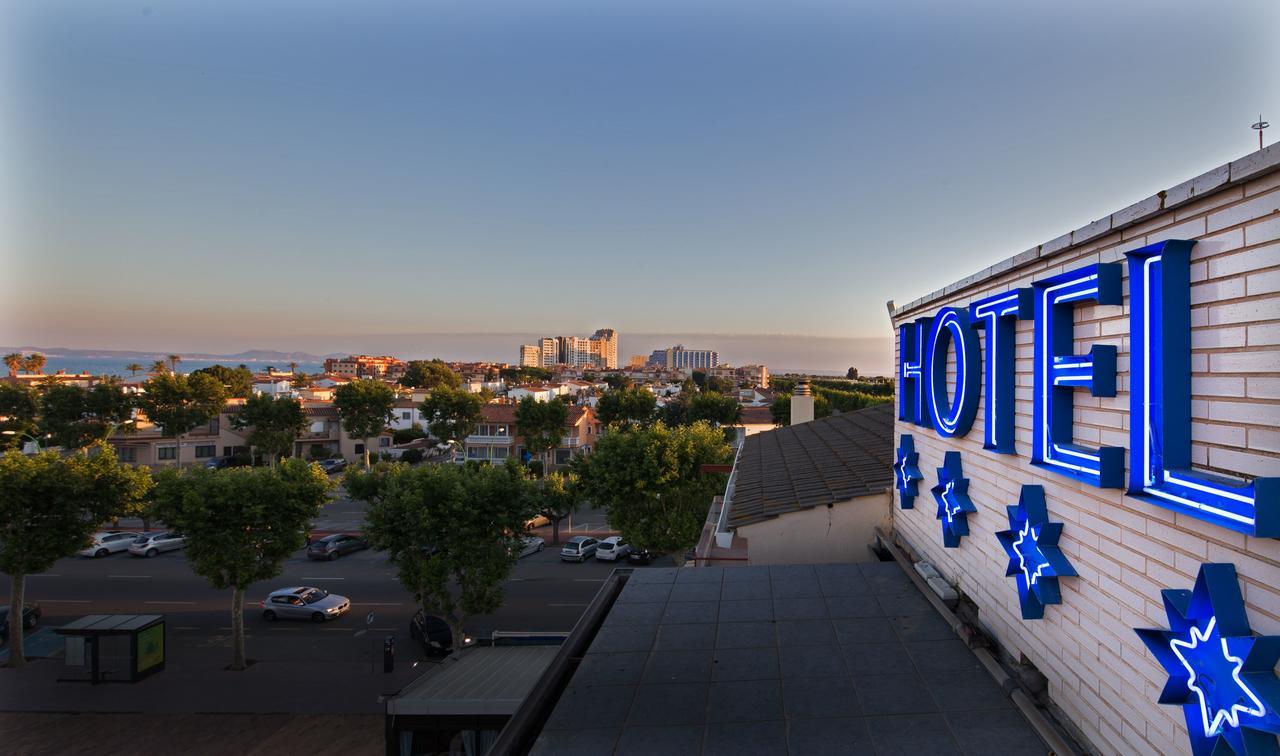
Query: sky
[332,176]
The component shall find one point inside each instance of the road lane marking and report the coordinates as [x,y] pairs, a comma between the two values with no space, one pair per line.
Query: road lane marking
[568,604]
[128,576]
[44,574]
[378,603]
[321,578]
[189,628]
[588,580]
[284,629]
[516,580]
[65,601]
[336,629]
[168,602]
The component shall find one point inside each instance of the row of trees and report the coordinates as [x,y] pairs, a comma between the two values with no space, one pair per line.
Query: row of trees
[636,405]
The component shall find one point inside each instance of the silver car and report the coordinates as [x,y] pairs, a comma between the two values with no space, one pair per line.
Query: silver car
[304,602]
[151,544]
[531,545]
[612,549]
[108,542]
[578,549]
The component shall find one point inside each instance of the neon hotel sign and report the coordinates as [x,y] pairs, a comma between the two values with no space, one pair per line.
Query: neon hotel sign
[1159,385]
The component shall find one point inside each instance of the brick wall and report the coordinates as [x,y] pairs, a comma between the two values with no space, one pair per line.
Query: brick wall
[1124,549]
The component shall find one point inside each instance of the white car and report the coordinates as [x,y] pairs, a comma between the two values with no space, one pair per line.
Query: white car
[531,545]
[151,544]
[108,542]
[578,549]
[612,549]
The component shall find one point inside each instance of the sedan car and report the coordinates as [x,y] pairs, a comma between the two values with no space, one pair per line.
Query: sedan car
[333,546]
[30,616]
[531,545]
[332,465]
[304,602]
[640,556]
[578,549]
[108,542]
[151,544]
[611,549]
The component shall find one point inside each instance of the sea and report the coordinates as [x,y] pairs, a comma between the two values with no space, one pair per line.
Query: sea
[115,366]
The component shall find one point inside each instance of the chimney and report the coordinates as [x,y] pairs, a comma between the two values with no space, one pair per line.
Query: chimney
[802,404]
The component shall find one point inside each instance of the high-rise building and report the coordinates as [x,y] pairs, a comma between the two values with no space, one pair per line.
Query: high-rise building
[604,344]
[530,355]
[680,358]
[549,351]
[598,351]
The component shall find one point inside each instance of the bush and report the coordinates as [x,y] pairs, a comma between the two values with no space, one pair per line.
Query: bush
[411,456]
[405,435]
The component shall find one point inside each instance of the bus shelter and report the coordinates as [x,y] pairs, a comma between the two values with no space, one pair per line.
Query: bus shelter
[115,647]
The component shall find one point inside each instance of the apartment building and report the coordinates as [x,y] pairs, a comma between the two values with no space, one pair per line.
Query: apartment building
[679,357]
[364,366]
[530,355]
[497,437]
[600,350]
[752,375]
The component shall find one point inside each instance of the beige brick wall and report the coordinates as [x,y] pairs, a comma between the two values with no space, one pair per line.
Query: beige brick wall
[1127,550]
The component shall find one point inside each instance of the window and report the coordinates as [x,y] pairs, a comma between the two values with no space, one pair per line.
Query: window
[206,451]
[562,456]
[405,415]
[477,452]
[499,452]
[384,442]
[359,448]
[127,454]
[166,452]
[214,426]
[226,451]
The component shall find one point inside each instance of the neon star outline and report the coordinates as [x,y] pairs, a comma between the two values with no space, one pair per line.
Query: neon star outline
[1229,714]
[906,472]
[952,497]
[1035,559]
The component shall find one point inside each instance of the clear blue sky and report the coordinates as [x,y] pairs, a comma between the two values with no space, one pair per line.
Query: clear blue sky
[223,176]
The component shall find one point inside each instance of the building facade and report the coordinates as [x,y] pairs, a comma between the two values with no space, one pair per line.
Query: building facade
[1090,423]
[530,355]
[364,366]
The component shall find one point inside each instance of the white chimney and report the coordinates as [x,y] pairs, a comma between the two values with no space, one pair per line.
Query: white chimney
[801,404]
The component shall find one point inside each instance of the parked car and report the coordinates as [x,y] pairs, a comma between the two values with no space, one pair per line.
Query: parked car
[217,463]
[333,546]
[108,542]
[578,549]
[151,544]
[432,632]
[332,465]
[611,549]
[531,545]
[640,556]
[304,602]
[30,616]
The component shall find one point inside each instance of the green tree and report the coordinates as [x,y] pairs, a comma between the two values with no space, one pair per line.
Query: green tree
[719,385]
[301,380]
[541,424]
[74,417]
[780,409]
[241,523]
[649,481]
[49,506]
[174,359]
[452,413]
[364,407]
[19,410]
[34,363]
[13,360]
[699,378]
[453,532]
[159,367]
[238,381]
[619,381]
[676,410]
[133,368]
[555,497]
[525,374]
[851,374]
[429,374]
[633,404]
[181,403]
[715,408]
[274,422]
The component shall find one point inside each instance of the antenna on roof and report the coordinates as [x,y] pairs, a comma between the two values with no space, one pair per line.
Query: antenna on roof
[1258,127]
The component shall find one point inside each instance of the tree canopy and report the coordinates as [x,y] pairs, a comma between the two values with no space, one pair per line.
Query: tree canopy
[555,497]
[541,424]
[715,408]
[629,404]
[74,417]
[452,413]
[429,374]
[19,409]
[525,374]
[453,532]
[241,524]
[238,381]
[49,506]
[364,407]
[274,423]
[649,481]
[181,403]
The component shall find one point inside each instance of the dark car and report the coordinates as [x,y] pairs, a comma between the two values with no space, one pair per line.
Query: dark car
[336,545]
[332,465]
[640,556]
[432,632]
[30,616]
[217,463]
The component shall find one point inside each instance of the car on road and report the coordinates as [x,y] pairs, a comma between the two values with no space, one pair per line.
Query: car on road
[578,549]
[333,546]
[332,465]
[217,463]
[640,556]
[612,549]
[30,616]
[434,634]
[108,542]
[304,602]
[151,544]
[531,545]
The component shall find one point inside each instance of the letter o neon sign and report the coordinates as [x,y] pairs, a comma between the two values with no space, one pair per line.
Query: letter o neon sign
[952,417]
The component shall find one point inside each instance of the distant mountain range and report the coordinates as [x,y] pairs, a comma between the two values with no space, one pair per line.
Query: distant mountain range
[252,355]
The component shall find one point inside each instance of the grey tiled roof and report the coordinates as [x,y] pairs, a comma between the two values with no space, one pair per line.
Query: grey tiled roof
[797,659]
[813,464]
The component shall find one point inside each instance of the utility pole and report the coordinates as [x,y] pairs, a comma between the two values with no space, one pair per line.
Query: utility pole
[1258,127]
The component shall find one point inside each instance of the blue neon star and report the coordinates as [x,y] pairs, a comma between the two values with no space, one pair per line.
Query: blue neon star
[952,496]
[1034,557]
[1221,674]
[906,472]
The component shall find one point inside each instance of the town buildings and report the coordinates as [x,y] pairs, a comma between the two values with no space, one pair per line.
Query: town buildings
[600,350]
[752,375]
[497,437]
[364,366]
[680,358]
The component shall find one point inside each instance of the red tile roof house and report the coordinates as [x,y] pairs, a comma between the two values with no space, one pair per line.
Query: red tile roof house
[497,437]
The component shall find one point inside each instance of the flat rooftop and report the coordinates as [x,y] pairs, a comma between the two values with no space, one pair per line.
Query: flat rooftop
[806,659]
[480,681]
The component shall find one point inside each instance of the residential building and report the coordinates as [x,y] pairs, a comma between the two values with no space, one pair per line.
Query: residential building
[603,348]
[549,349]
[599,351]
[62,377]
[148,445]
[364,366]
[530,355]
[637,362]
[680,358]
[752,375]
[497,436]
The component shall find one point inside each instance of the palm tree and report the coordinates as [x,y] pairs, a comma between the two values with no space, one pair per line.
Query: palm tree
[293,367]
[133,368]
[159,367]
[14,361]
[174,359]
[35,363]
